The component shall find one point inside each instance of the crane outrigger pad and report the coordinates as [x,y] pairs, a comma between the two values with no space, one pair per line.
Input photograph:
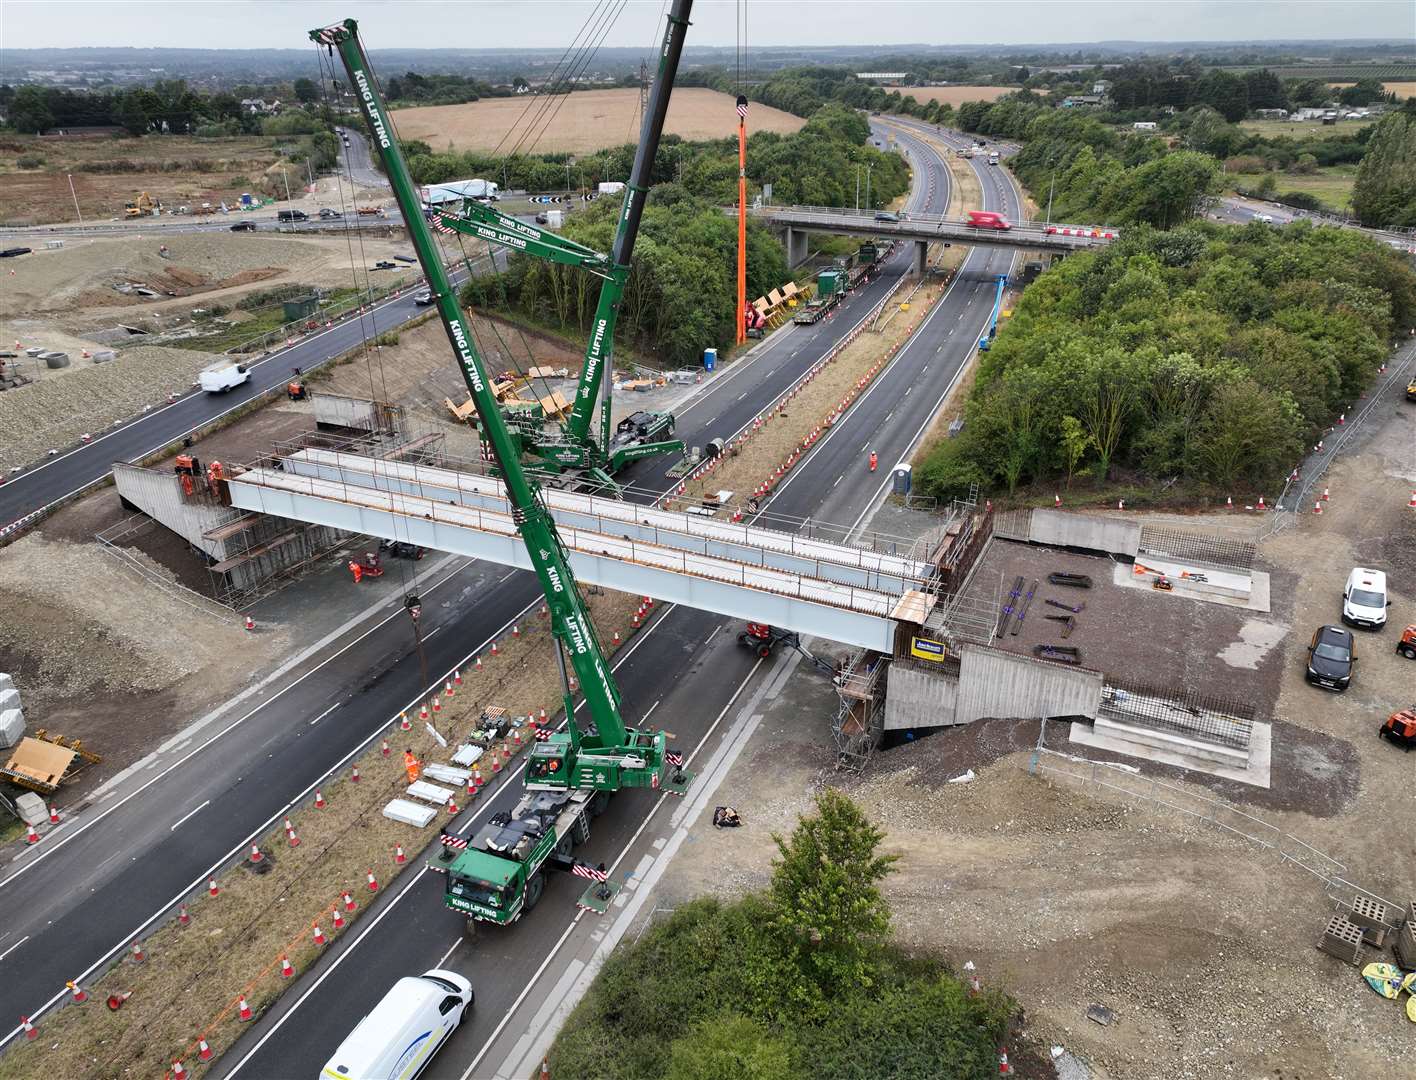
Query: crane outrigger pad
[676,783]
[599,896]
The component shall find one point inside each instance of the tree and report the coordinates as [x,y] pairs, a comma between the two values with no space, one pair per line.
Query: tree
[1248,434]
[29,112]
[1384,194]
[306,91]
[1226,93]
[1362,92]
[826,903]
[1168,191]
[1265,90]
[1109,397]
[731,1046]
[1075,442]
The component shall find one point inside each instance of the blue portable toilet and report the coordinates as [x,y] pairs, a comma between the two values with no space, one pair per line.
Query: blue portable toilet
[902,478]
[710,359]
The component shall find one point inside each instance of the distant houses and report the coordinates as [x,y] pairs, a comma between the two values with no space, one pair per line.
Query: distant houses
[260,107]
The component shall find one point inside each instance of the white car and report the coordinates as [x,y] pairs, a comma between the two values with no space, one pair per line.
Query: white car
[1364,599]
[1267,219]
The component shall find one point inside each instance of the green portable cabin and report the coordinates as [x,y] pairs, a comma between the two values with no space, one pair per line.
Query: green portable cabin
[829,283]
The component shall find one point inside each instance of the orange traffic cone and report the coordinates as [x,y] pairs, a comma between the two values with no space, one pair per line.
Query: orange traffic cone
[212,890]
[243,1010]
[398,855]
[318,936]
[203,1049]
[338,919]
[348,901]
[404,724]
[286,968]
[373,882]
[31,837]
[319,800]
[77,994]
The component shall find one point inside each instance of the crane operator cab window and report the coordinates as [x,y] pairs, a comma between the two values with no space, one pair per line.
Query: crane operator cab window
[479,892]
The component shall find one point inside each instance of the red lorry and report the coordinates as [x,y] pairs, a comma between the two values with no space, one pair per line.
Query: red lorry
[988,219]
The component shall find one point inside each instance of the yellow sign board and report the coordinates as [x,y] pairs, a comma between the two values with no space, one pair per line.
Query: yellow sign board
[925,649]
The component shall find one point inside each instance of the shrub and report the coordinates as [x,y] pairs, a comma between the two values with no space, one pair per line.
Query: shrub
[30,161]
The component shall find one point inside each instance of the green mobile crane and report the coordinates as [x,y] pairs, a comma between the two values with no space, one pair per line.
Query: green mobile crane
[578,767]
[571,446]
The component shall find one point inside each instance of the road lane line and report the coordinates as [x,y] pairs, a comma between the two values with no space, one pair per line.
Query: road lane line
[331,709]
[13,947]
[189,813]
[653,810]
[480,810]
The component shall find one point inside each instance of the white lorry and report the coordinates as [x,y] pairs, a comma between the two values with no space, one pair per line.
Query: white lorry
[220,378]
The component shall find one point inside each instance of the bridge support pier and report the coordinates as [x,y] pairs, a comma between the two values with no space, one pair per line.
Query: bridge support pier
[921,258]
[796,247]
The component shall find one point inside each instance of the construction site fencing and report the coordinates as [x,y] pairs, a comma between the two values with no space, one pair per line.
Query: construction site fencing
[1268,838]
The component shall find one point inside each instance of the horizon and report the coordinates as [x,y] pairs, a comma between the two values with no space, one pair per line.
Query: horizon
[90,24]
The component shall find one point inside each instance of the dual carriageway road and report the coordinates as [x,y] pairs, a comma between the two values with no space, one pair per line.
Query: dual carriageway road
[127,864]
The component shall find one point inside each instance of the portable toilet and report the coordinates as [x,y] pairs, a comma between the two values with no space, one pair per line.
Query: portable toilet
[247,201]
[901,476]
[710,359]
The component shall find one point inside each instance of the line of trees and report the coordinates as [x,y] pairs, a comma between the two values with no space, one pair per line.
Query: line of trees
[166,105]
[797,983]
[1207,353]
[1385,191]
[682,292]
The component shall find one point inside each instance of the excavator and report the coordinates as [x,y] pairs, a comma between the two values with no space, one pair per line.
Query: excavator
[499,874]
[571,446]
[142,206]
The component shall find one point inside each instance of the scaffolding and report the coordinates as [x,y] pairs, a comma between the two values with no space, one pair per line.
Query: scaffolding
[860,717]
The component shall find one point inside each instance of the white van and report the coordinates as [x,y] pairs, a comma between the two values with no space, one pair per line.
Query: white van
[400,1035]
[1364,599]
[220,378]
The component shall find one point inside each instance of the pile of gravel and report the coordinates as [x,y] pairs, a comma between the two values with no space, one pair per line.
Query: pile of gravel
[75,619]
[53,414]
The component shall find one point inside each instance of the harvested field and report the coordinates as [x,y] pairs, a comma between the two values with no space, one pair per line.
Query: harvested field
[955,95]
[585,120]
[187,986]
[1400,89]
[53,413]
[108,171]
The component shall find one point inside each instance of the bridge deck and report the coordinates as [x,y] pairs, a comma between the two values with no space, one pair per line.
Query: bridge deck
[790,599]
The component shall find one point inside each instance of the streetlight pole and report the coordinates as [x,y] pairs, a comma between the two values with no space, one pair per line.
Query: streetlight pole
[868,166]
[857,188]
[1050,189]
[76,199]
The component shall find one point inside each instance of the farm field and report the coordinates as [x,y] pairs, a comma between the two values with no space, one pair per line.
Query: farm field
[1400,89]
[955,95]
[108,171]
[584,121]
[1333,185]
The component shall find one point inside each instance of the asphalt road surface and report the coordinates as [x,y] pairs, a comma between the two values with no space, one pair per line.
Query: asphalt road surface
[683,672]
[94,891]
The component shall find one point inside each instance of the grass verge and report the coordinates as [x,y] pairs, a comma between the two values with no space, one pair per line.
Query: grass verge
[193,976]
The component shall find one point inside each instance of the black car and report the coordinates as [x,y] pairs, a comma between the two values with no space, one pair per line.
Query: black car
[327,213]
[1331,658]
[423,299]
[244,226]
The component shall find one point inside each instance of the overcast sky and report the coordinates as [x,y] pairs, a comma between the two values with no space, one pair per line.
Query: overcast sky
[553,23]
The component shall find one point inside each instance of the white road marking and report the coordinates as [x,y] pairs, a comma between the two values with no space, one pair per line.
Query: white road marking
[13,947]
[510,777]
[839,479]
[429,635]
[322,715]
[188,814]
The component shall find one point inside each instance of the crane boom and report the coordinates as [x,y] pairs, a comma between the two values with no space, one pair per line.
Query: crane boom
[611,756]
[577,449]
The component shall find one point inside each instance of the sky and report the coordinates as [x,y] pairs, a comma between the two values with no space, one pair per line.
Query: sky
[553,23]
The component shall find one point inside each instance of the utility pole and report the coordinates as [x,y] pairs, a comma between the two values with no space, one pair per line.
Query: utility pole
[76,199]
[285,175]
[311,170]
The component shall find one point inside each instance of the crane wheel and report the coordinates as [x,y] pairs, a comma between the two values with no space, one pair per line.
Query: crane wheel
[534,888]
[764,651]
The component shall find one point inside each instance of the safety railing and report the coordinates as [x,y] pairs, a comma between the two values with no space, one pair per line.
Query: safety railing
[611,515]
[707,567]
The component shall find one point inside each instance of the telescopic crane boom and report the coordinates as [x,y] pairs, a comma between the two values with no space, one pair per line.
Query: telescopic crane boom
[611,755]
[577,448]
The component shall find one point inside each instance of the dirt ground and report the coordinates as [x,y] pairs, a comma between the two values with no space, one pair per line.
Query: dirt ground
[1201,943]
[586,120]
[173,169]
[73,286]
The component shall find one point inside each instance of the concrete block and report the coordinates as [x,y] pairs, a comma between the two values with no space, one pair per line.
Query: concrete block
[12,727]
[9,698]
[421,789]
[1370,913]
[32,809]
[1342,938]
[409,813]
[6,683]
[468,755]
[448,774]
[1405,945]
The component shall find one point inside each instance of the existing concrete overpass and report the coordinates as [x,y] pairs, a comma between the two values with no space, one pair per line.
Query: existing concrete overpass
[846,593]
[925,230]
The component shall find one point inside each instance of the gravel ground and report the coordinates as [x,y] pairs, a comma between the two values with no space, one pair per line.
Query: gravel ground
[54,413]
